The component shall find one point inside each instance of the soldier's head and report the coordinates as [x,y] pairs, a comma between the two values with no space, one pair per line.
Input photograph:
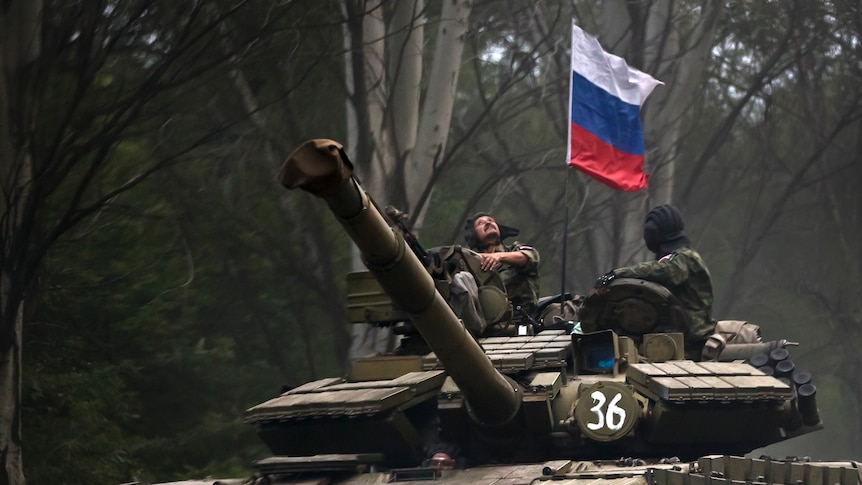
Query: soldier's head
[482,231]
[663,230]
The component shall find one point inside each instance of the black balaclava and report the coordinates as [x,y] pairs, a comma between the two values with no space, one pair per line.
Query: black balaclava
[663,230]
[470,231]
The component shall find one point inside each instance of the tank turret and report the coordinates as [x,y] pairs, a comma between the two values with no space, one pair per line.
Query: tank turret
[622,388]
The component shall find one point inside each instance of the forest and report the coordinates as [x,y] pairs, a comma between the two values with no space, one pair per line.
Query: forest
[156,281]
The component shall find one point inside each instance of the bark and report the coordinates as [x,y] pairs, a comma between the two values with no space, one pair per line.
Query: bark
[364,66]
[407,139]
[12,472]
[437,109]
[374,171]
[680,65]
[19,49]
[405,77]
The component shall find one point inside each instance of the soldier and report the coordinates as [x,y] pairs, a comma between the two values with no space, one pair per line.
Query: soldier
[679,268]
[516,263]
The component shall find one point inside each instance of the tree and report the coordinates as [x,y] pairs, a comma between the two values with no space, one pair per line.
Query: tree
[20,47]
[77,80]
[401,129]
[784,226]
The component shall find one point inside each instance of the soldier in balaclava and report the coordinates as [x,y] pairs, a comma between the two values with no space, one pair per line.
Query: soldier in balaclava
[677,267]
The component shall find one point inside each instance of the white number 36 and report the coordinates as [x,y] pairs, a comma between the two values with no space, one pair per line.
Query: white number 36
[613,417]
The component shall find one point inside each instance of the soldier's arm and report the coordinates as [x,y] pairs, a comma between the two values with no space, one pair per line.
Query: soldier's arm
[523,257]
[515,258]
[670,269]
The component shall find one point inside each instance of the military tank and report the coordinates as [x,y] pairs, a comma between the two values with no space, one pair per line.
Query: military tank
[614,403]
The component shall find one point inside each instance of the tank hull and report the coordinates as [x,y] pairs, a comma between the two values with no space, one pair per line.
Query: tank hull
[712,470]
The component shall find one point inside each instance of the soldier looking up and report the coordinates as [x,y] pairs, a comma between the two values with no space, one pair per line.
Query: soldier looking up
[677,267]
[516,263]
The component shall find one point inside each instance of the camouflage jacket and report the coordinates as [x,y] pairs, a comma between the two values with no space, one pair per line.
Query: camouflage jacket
[522,282]
[684,273]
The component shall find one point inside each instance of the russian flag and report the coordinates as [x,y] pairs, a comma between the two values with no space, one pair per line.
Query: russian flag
[605,136]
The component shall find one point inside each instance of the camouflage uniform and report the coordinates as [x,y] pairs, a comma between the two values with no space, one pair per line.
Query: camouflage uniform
[684,273]
[522,282]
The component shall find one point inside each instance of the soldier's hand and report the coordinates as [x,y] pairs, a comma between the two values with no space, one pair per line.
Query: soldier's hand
[604,280]
[490,261]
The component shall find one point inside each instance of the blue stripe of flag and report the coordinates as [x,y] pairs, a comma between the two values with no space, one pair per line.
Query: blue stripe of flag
[611,119]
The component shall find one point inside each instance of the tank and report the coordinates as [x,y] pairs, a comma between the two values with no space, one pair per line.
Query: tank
[606,396]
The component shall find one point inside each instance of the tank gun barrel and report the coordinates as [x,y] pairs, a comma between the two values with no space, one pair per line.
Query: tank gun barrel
[745,351]
[322,168]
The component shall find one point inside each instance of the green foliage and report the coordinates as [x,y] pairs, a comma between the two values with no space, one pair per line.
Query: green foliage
[77,419]
[184,310]
[163,315]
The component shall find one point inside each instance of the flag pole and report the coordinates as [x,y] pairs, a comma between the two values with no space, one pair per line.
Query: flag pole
[565,239]
[566,182]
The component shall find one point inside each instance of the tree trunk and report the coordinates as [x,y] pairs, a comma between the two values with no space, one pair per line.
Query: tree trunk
[437,109]
[20,22]
[12,472]
[406,140]
[649,42]
[406,45]
[680,64]
[365,74]
[375,170]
